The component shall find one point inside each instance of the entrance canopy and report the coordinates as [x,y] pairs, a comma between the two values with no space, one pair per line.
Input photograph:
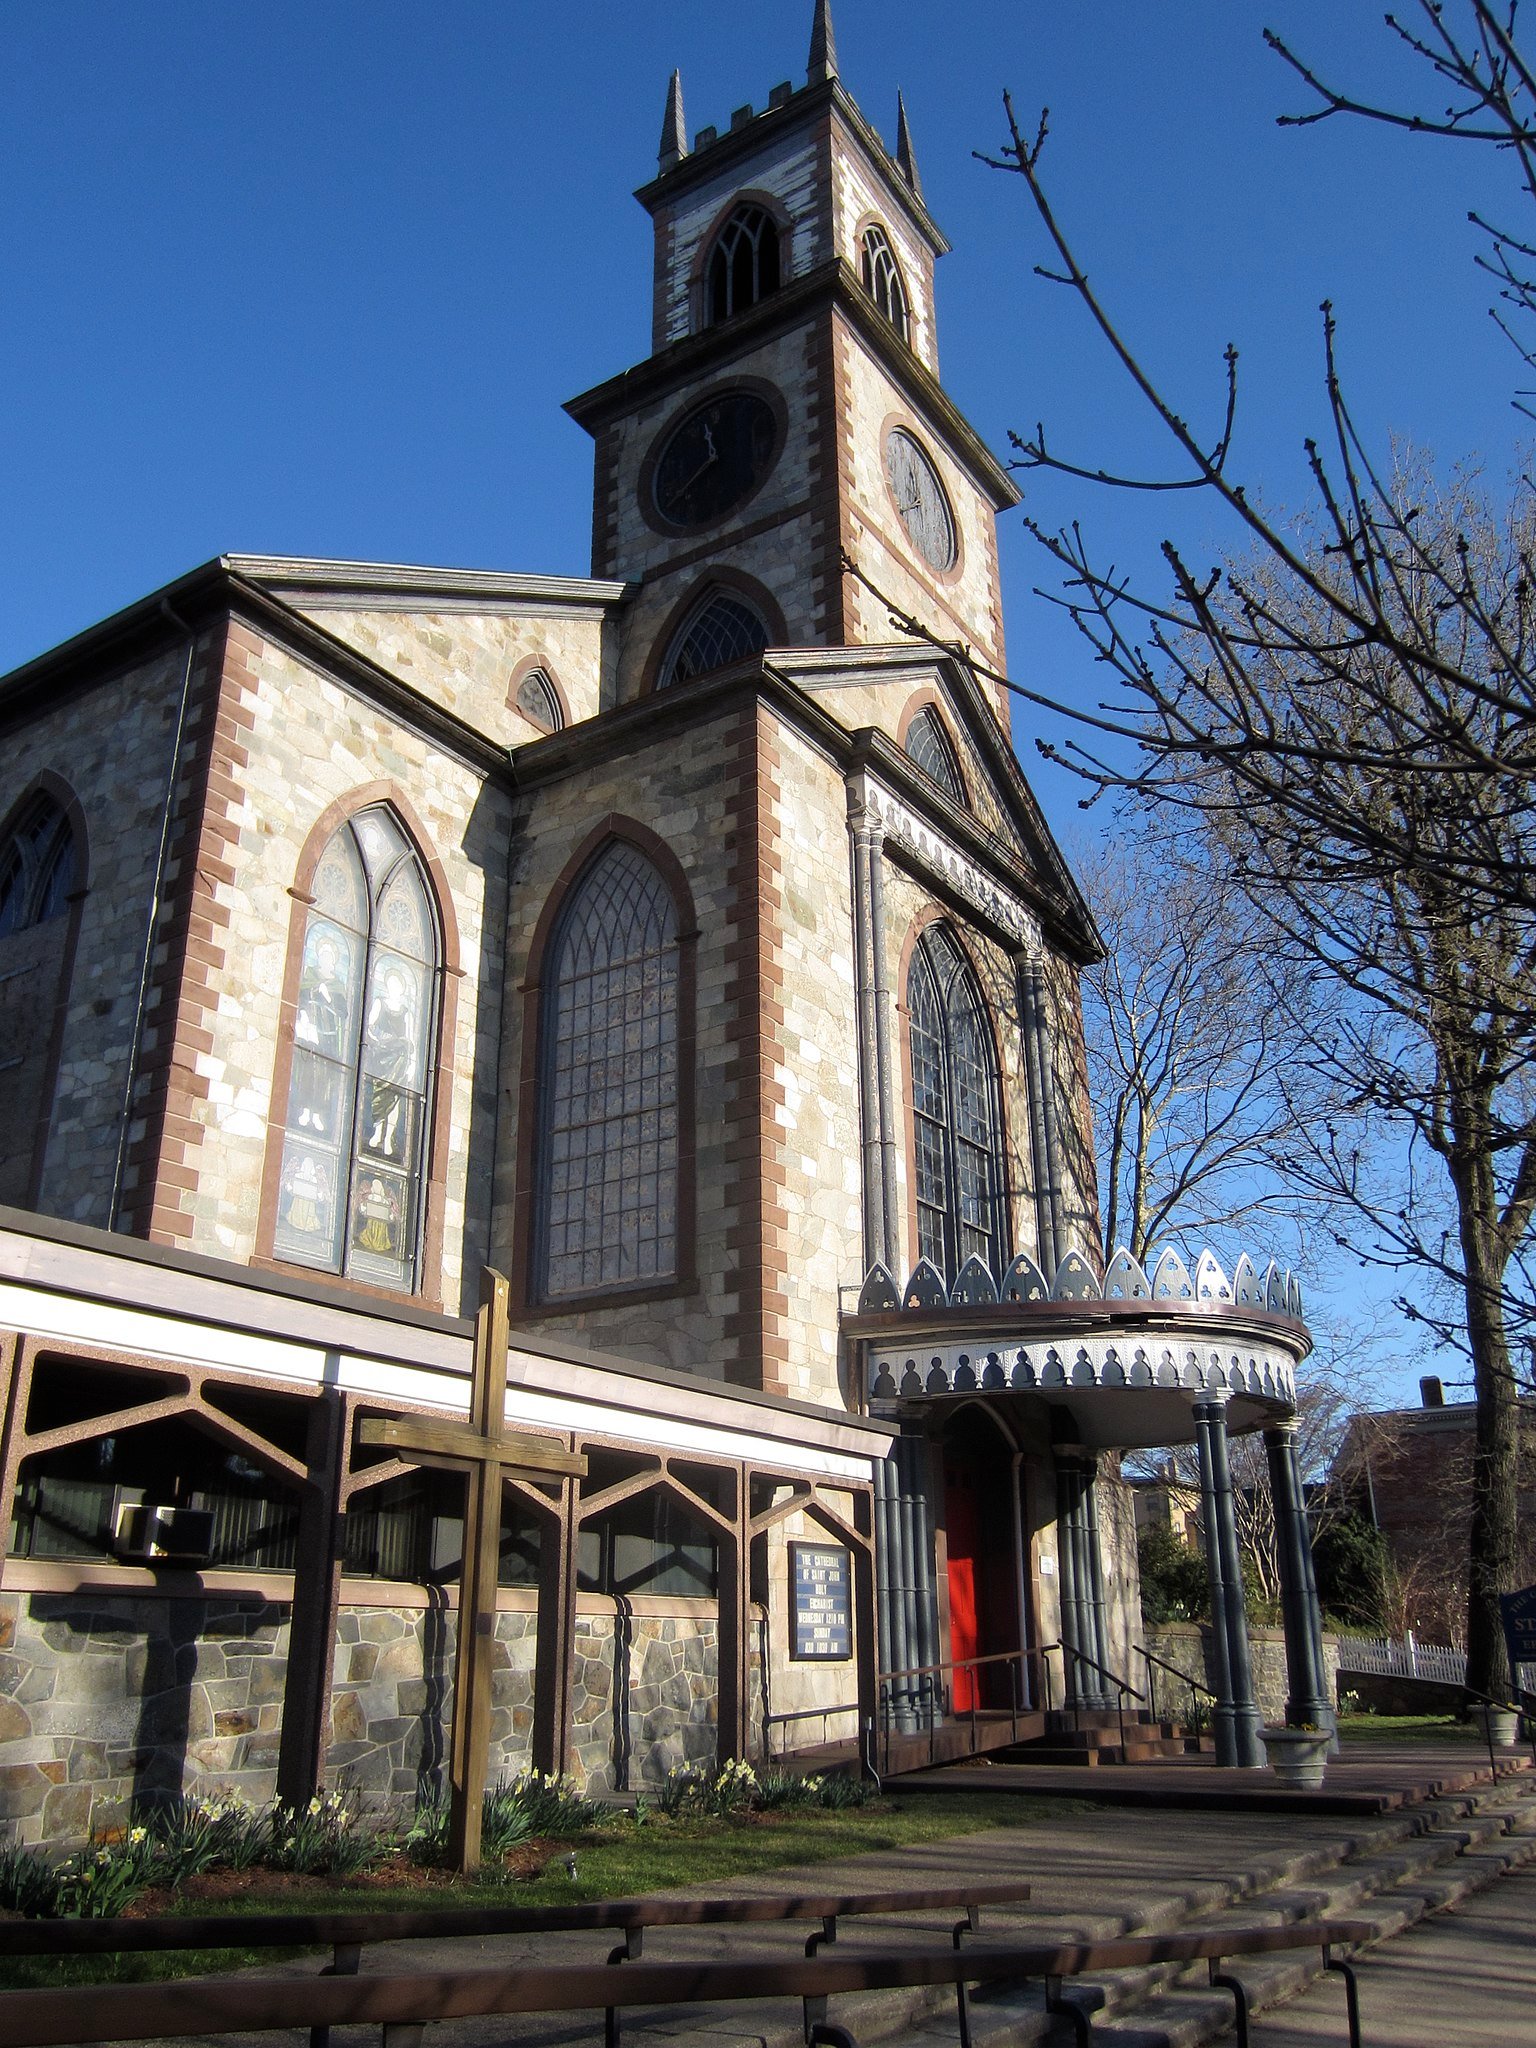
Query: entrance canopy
[1126,1357]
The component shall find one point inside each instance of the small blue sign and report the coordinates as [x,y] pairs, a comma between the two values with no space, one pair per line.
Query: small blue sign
[823,1595]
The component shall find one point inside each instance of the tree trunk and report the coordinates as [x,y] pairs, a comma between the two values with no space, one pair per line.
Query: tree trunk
[1493,1540]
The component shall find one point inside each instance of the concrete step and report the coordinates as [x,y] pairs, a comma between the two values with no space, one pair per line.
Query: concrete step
[1394,1872]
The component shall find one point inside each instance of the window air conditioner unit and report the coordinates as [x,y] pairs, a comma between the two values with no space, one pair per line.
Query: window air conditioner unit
[162,1534]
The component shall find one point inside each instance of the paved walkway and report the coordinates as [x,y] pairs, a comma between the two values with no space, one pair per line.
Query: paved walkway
[1464,1978]
[1094,1875]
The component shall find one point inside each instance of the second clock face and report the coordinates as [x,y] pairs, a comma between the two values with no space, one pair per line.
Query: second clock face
[714,458]
[920,500]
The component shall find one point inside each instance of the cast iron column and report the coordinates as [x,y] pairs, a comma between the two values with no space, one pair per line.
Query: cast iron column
[1066,1559]
[1248,1750]
[1098,1606]
[1221,1676]
[1307,1703]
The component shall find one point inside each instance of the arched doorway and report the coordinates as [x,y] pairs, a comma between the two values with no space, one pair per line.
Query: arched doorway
[981,1538]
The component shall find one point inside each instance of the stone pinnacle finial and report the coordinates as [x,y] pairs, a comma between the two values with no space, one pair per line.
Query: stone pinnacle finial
[674,136]
[822,62]
[906,162]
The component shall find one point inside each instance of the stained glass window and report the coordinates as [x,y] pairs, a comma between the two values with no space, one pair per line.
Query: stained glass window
[608,1137]
[723,629]
[743,265]
[928,745]
[37,867]
[537,701]
[957,1123]
[882,278]
[349,1194]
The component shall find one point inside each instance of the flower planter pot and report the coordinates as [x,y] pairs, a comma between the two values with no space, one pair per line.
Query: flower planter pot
[1498,1725]
[1297,1756]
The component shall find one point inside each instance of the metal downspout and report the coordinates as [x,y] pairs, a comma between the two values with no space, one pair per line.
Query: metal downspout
[883,1068]
[147,960]
[1043,1092]
[875,1247]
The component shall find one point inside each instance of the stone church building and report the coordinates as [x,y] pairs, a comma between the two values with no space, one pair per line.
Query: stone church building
[676,940]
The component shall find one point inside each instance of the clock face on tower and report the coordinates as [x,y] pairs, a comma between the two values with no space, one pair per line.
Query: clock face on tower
[920,500]
[713,459]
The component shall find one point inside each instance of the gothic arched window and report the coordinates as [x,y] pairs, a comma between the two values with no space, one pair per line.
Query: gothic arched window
[743,265]
[608,1110]
[41,874]
[882,277]
[722,629]
[929,746]
[538,703]
[957,1120]
[37,867]
[350,1191]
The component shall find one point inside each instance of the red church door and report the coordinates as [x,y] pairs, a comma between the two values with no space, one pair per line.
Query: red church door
[962,1524]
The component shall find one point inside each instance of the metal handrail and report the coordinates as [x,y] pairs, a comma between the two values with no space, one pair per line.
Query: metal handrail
[1196,1686]
[1014,1659]
[1122,1685]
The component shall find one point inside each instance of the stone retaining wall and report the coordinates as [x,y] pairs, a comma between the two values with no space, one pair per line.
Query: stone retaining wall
[105,1698]
[1188,1646]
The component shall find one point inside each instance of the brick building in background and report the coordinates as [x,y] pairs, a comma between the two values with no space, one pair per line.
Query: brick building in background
[666,939]
[1408,1471]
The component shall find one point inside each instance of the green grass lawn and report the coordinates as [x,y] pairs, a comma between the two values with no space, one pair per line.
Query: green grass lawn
[612,1862]
[1427,1728]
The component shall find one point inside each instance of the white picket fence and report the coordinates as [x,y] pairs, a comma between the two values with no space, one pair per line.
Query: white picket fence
[1383,1656]
[1409,1658]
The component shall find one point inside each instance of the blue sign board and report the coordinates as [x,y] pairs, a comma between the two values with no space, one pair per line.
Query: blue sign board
[1519,1611]
[823,1601]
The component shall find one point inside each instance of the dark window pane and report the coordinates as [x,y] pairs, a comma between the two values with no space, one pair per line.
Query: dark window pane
[609,1176]
[957,1130]
[723,629]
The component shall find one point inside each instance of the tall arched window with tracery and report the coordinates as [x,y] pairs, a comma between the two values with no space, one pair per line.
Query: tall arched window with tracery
[350,1193]
[40,869]
[956,1108]
[881,276]
[608,1107]
[744,264]
[37,867]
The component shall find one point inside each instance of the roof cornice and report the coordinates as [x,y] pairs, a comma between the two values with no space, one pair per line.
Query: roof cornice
[296,575]
[831,287]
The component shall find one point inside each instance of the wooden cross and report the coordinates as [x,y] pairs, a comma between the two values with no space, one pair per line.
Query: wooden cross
[488,1454]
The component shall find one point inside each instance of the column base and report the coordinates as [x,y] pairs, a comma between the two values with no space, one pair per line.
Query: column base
[1247,1741]
[1224,1735]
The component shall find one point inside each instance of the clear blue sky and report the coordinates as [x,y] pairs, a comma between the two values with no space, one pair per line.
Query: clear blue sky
[314,279]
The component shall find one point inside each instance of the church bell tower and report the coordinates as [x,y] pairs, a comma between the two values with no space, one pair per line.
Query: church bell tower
[790,413]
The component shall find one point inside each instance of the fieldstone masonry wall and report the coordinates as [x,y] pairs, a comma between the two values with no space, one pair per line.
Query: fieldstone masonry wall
[109,1698]
[106,1698]
[1188,1646]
